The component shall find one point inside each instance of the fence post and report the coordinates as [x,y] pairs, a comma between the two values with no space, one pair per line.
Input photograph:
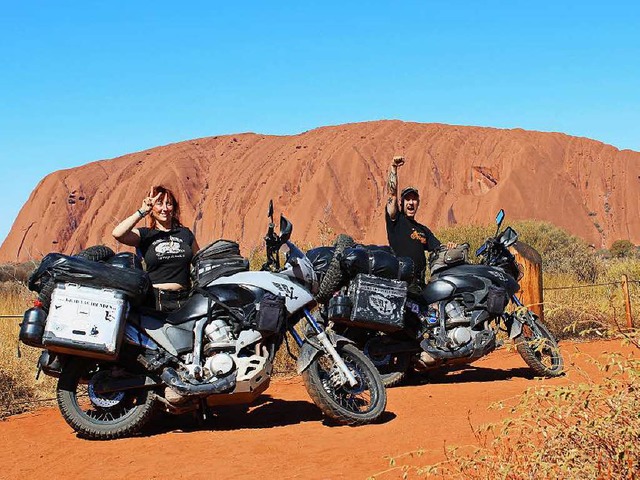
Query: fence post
[627,300]
[531,282]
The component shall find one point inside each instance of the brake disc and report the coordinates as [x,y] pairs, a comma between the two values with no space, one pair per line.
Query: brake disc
[103,400]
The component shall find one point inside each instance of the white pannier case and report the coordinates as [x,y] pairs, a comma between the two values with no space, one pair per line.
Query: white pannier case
[86,321]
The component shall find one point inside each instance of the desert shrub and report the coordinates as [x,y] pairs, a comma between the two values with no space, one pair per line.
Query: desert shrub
[580,431]
[16,272]
[560,251]
[622,249]
[474,235]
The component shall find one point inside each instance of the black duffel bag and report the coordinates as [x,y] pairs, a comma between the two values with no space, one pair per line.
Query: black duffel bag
[71,269]
[320,258]
[218,249]
[378,261]
[218,259]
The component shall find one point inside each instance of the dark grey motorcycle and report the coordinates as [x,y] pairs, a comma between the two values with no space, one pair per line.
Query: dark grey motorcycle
[453,321]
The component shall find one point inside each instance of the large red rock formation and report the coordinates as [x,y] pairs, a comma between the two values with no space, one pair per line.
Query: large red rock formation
[335,176]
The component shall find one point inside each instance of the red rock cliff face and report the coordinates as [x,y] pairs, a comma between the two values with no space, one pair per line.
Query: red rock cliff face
[336,176]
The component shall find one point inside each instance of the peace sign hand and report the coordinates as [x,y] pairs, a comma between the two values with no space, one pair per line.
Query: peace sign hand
[149,202]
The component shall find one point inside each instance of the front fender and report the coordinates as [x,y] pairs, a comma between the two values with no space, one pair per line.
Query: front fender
[311,349]
[517,319]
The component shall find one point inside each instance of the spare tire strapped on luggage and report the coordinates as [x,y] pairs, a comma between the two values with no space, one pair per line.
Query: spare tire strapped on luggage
[377,261]
[218,259]
[68,269]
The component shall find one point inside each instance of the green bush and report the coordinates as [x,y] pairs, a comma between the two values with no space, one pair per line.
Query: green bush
[560,251]
[623,249]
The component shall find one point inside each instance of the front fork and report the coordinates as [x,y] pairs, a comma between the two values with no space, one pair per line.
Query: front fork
[310,349]
[515,321]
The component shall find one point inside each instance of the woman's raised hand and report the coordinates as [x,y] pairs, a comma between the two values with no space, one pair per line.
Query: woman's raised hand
[150,201]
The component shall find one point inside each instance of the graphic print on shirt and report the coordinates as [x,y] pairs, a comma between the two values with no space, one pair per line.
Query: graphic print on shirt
[170,247]
[420,236]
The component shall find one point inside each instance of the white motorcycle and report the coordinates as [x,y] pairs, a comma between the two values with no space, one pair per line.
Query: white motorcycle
[117,363]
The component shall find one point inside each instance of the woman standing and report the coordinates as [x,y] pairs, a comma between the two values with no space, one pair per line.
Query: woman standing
[166,246]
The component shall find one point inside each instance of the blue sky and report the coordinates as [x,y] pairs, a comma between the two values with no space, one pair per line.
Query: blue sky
[83,81]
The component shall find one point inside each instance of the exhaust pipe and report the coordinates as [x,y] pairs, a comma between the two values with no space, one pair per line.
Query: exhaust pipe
[173,380]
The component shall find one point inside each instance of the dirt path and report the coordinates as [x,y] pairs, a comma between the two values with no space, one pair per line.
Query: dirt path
[283,436]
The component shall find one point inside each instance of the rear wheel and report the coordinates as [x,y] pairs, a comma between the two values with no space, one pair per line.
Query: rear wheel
[100,416]
[357,405]
[539,349]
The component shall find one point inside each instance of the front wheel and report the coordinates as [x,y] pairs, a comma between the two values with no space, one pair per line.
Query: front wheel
[100,416]
[539,349]
[358,405]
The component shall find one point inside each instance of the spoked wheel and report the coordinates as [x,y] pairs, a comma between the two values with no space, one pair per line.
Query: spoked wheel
[100,416]
[539,349]
[357,405]
[391,367]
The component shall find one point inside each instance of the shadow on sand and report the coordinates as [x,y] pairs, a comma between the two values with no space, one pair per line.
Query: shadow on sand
[468,374]
[264,412]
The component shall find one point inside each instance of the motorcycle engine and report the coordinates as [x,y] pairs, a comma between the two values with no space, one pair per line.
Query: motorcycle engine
[456,314]
[458,324]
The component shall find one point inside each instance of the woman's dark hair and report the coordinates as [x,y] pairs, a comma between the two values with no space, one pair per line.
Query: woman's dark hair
[175,220]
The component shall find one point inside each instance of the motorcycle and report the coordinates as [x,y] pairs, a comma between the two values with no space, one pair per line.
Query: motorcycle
[117,366]
[452,322]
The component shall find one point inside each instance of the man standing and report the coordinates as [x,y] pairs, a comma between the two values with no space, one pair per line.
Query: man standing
[406,236]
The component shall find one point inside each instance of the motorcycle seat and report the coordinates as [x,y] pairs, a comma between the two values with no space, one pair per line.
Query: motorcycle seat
[195,307]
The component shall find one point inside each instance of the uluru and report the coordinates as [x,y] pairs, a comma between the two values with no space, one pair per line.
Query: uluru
[335,176]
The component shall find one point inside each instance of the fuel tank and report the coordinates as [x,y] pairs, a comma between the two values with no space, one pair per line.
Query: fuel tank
[466,278]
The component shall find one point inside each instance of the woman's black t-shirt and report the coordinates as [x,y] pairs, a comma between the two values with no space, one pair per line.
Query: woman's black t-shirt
[409,238]
[167,255]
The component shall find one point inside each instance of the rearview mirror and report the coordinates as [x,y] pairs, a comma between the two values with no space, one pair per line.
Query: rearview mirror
[508,237]
[286,227]
[499,218]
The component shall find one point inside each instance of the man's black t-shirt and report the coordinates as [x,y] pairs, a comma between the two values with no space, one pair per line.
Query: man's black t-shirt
[409,238]
[167,254]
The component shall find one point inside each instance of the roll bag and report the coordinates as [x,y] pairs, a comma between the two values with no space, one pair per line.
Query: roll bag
[218,259]
[377,260]
[133,282]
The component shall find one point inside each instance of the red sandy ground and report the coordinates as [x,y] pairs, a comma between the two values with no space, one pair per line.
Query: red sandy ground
[284,435]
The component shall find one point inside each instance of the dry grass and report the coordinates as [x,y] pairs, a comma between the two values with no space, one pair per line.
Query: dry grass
[571,311]
[585,431]
[18,386]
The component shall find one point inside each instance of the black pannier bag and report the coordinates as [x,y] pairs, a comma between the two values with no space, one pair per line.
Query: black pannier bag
[378,261]
[377,303]
[496,300]
[218,259]
[272,313]
[134,283]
